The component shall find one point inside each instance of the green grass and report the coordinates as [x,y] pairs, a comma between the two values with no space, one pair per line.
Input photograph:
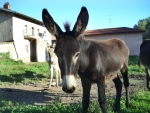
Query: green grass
[19,72]
[133,67]
[139,103]
[16,71]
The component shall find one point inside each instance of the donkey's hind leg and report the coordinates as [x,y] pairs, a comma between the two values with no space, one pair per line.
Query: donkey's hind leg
[126,85]
[57,77]
[118,85]
[147,78]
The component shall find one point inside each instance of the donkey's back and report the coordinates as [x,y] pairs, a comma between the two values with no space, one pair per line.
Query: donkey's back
[114,54]
[117,57]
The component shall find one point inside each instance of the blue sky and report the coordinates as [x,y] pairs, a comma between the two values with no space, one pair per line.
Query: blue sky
[102,13]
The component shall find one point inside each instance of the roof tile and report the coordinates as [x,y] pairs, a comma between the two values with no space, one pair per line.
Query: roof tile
[112,31]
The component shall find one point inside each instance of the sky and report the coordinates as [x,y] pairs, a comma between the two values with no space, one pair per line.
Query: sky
[102,13]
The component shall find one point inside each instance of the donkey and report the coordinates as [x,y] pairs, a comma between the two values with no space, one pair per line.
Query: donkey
[144,58]
[94,61]
[53,64]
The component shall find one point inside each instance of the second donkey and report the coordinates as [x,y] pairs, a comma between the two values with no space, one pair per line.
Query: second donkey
[53,64]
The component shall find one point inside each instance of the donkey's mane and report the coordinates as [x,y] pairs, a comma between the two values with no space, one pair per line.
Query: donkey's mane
[67,26]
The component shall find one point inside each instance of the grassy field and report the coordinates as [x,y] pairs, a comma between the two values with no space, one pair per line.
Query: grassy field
[133,66]
[16,71]
[139,104]
[19,73]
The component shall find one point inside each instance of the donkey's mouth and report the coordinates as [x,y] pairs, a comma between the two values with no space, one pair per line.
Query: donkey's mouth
[71,90]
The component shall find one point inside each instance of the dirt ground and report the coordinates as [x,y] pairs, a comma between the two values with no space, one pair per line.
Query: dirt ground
[36,94]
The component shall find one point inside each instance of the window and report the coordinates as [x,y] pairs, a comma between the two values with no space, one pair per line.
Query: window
[45,34]
[32,31]
[38,31]
[26,29]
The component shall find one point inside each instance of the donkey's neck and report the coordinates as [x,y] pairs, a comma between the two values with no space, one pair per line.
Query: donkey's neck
[84,53]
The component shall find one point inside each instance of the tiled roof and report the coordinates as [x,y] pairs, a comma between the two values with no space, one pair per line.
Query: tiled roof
[22,16]
[112,31]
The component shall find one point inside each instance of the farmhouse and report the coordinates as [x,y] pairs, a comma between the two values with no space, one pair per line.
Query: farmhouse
[132,37]
[23,36]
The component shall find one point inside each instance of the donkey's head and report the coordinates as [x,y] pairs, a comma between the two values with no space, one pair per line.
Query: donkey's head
[67,47]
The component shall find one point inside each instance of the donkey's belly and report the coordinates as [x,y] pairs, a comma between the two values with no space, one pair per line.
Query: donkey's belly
[110,77]
[93,78]
[55,67]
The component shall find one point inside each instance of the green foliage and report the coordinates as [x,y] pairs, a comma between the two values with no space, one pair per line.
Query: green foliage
[6,60]
[141,24]
[56,107]
[133,66]
[16,71]
[146,35]
[144,24]
[139,103]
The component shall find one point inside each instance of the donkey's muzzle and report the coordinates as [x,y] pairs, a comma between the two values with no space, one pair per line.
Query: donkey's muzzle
[69,83]
[71,90]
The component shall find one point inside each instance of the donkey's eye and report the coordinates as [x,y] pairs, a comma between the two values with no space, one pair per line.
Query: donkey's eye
[77,54]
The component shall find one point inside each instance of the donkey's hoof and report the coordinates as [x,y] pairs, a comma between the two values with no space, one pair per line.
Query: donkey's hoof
[53,84]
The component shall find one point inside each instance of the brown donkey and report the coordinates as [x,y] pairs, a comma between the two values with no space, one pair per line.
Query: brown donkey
[94,61]
[144,58]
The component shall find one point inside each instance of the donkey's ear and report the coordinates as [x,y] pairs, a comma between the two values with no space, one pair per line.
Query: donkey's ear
[81,22]
[50,24]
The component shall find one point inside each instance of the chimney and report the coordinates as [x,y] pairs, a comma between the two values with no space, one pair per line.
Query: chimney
[6,6]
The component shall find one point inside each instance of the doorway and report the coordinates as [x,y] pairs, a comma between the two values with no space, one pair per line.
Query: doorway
[33,50]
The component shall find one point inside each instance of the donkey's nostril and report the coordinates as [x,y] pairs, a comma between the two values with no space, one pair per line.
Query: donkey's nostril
[68,83]
[70,90]
[73,88]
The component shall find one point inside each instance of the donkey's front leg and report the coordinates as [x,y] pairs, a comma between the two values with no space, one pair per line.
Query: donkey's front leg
[51,76]
[86,95]
[118,85]
[101,94]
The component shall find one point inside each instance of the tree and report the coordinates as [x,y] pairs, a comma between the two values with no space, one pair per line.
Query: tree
[144,24]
